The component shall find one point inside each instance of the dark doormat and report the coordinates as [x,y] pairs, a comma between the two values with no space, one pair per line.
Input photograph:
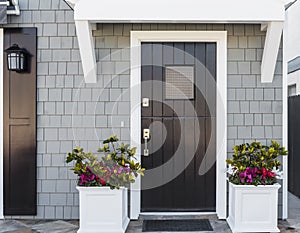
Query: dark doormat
[177,225]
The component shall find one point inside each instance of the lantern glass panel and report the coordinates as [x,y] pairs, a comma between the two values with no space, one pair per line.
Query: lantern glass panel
[13,61]
[9,61]
[22,61]
[18,61]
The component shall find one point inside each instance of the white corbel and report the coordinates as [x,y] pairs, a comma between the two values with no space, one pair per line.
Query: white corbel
[87,49]
[271,48]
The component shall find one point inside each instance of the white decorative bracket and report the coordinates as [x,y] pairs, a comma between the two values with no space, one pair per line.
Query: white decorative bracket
[87,49]
[86,45]
[271,48]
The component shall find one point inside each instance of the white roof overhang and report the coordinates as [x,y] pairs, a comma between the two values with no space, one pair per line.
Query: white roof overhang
[269,13]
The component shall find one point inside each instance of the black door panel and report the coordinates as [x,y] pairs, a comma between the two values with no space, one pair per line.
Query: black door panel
[182,130]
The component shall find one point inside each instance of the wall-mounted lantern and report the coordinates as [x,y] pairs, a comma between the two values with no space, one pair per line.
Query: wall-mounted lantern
[17,58]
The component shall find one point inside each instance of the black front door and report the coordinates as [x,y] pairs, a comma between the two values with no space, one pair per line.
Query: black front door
[179,81]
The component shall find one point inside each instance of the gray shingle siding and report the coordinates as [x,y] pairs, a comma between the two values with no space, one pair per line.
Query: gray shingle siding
[71,112]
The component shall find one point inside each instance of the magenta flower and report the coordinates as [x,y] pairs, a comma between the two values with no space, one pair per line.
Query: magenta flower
[248,175]
[120,170]
[127,169]
[86,178]
[242,176]
[83,179]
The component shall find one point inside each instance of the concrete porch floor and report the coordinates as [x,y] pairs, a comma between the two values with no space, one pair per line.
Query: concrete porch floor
[292,224]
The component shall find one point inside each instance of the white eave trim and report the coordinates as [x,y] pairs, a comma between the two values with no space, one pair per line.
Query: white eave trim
[179,11]
[269,13]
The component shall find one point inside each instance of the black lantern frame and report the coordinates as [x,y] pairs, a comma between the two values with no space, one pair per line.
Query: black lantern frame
[17,58]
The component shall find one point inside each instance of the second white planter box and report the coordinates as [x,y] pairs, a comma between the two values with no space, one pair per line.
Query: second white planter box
[103,210]
[253,208]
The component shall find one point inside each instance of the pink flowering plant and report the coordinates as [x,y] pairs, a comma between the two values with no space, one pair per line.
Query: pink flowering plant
[117,167]
[255,164]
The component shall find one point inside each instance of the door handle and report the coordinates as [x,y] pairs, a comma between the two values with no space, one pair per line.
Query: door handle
[146,136]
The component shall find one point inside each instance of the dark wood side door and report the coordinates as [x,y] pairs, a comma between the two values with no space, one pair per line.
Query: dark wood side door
[182,130]
[20,128]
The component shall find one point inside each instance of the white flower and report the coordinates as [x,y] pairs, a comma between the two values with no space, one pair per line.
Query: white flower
[278,173]
[230,170]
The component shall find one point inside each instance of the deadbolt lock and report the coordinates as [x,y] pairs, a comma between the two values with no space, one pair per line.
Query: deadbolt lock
[145,102]
[146,133]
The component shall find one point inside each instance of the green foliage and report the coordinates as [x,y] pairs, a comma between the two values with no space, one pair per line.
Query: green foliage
[121,153]
[117,168]
[81,166]
[255,163]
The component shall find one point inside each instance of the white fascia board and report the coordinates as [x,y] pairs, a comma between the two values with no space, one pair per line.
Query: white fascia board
[172,11]
[271,48]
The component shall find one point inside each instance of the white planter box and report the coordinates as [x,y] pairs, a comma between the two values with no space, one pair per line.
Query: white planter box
[103,210]
[253,208]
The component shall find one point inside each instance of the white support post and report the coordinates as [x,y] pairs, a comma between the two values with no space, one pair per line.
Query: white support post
[87,50]
[221,187]
[272,44]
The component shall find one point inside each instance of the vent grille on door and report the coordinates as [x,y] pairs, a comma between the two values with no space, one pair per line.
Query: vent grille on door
[179,82]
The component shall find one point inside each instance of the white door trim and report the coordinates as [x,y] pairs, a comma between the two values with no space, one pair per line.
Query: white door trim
[285,123]
[1,124]
[220,37]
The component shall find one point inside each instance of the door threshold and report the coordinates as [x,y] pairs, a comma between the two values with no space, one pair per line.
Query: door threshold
[176,213]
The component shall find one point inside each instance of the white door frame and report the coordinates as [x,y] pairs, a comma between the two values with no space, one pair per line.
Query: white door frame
[1,124]
[220,37]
